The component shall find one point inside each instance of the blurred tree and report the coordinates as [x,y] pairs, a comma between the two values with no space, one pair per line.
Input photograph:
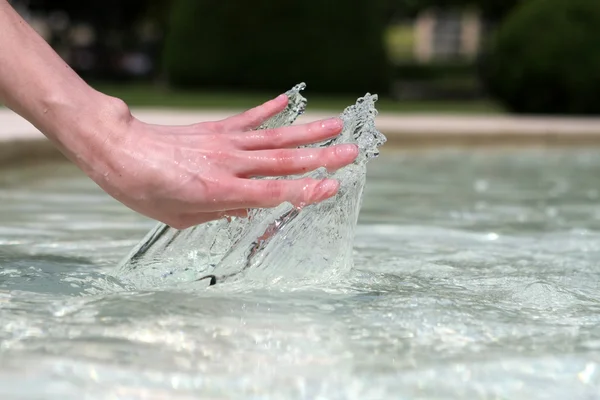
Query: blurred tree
[118,30]
[158,11]
[545,58]
[330,44]
[104,15]
[491,10]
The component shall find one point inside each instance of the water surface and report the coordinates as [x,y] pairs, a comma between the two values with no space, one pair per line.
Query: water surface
[477,276]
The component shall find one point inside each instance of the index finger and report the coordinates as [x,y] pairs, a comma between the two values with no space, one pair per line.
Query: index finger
[254,117]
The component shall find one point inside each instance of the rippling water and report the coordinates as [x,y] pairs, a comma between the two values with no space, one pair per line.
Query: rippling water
[477,276]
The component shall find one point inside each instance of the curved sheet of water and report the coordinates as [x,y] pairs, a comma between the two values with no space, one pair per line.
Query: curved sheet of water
[282,244]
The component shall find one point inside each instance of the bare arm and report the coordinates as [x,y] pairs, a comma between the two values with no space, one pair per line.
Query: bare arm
[180,175]
[38,85]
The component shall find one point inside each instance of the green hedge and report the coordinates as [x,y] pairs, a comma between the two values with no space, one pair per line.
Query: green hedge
[264,44]
[545,58]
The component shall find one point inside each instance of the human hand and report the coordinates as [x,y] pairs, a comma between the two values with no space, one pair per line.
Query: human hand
[182,176]
[187,175]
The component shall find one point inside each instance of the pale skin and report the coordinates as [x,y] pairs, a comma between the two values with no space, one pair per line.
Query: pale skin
[180,175]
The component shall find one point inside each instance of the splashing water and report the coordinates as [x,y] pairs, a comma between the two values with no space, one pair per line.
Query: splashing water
[282,244]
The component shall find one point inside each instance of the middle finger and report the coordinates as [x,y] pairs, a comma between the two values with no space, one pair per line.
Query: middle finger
[295,161]
[289,136]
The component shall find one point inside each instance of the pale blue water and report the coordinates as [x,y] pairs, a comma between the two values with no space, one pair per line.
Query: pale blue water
[477,276]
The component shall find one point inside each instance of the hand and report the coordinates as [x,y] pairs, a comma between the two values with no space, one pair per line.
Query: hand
[182,176]
[188,175]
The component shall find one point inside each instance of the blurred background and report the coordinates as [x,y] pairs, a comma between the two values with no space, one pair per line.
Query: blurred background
[492,56]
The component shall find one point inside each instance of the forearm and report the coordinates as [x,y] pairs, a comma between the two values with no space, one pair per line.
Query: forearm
[38,85]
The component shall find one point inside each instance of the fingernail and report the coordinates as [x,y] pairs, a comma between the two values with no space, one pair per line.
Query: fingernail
[327,188]
[332,124]
[281,97]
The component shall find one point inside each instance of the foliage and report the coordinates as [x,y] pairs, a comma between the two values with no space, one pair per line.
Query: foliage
[491,10]
[545,58]
[331,45]
[400,41]
[147,95]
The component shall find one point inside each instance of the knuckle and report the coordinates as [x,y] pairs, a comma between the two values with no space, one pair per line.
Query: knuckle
[235,140]
[330,153]
[308,188]
[216,126]
[230,164]
[274,190]
[250,115]
[282,159]
[286,156]
[212,190]
[273,135]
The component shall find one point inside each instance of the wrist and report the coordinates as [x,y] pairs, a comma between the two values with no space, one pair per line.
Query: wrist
[84,127]
[38,85]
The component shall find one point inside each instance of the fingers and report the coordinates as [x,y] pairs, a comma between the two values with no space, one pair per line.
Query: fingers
[290,136]
[267,193]
[253,118]
[294,161]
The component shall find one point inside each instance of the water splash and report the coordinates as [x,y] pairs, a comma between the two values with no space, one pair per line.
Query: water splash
[282,244]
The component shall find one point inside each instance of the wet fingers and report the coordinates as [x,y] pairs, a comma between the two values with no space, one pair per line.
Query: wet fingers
[290,136]
[267,193]
[295,161]
[253,118]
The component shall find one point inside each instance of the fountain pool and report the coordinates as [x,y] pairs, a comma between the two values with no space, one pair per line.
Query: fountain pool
[476,276]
